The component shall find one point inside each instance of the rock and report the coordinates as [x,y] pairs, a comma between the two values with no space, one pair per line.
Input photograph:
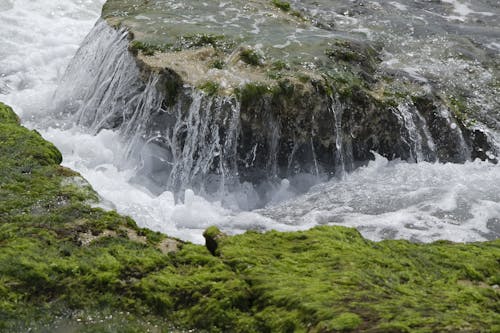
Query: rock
[212,236]
[236,104]
[66,265]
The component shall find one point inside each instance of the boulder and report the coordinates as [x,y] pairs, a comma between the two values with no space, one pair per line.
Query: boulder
[256,91]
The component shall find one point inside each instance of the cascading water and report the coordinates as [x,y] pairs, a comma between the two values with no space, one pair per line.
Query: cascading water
[196,149]
[419,139]
[343,151]
[102,89]
[102,93]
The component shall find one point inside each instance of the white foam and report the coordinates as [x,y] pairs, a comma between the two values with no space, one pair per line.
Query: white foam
[495,46]
[95,157]
[424,201]
[463,10]
[399,6]
[38,40]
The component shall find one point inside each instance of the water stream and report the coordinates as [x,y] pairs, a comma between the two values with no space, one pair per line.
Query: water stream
[422,201]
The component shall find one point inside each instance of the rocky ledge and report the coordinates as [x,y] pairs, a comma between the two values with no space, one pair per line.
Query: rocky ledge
[66,265]
[254,90]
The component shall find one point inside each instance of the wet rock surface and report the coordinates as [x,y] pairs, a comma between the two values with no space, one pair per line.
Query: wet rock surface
[260,90]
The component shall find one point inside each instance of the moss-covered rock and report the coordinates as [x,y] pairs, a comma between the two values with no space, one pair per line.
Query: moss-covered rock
[309,101]
[67,266]
[57,254]
[334,280]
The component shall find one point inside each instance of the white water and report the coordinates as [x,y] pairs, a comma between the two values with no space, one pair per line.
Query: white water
[422,202]
[38,39]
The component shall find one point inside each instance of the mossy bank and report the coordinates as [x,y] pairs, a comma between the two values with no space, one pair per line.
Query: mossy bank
[66,266]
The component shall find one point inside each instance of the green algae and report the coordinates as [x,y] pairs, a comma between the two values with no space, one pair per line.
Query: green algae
[148,49]
[209,87]
[185,42]
[353,53]
[218,64]
[251,57]
[461,110]
[251,92]
[335,280]
[57,254]
[283,5]
[67,265]
[7,116]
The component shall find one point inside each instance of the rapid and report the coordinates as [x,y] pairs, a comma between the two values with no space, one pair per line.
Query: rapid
[384,199]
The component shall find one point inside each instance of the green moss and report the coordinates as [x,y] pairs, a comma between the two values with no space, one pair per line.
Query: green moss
[274,75]
[284,89]
[25,148]
[148,49]
[277,70]
[251,92]
[460,110]
[251,57]
[344,322]
[343,54]
[353,54]
[57,253]
[63,263]
[344,83]
[336,280]
[283,5]
[218,64]
[279,65]
[212,236]
[303,77]
[7,116]
[190,41]
[209,87]
[297,14]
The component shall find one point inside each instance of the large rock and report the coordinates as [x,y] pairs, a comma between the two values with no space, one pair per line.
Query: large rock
[218,94]
[65,266]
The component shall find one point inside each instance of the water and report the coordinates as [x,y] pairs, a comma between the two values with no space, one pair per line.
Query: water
[38,40]
[450,45]
[417,201]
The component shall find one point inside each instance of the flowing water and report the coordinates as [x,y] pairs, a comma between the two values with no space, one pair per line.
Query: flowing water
[385,199]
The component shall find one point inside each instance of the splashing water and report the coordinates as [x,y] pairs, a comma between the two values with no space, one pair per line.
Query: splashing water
[421,202]
[38,40]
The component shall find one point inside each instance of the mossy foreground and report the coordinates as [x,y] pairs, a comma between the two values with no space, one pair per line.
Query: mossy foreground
[65,266]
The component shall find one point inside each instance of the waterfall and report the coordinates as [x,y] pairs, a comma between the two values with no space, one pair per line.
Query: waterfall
[416,133]
[343,150]
[202,143]
[100,88]
[132,165]
[191,144]
[463,150]
[272,165]
[196,142]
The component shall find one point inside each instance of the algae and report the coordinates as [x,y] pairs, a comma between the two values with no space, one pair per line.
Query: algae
[251,57]
[283,5]
[210,88]
[331,279]
[65,265]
